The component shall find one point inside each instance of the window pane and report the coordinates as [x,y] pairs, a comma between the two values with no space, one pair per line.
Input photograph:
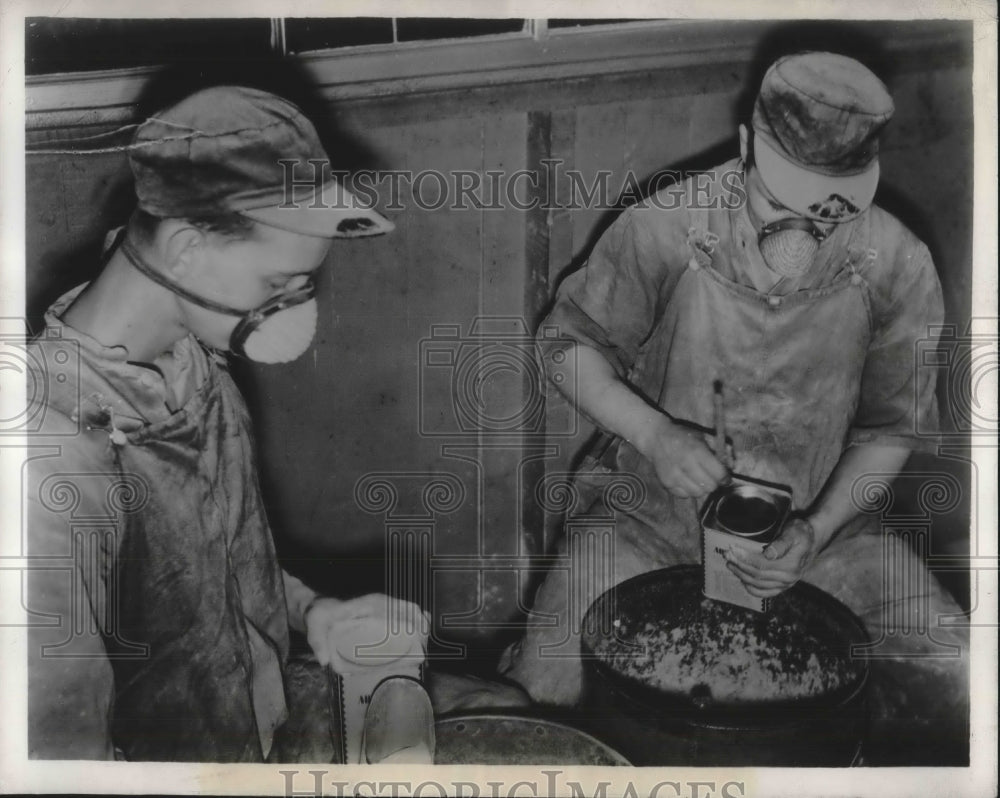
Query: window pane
[322,34]
[79,45]
[415,28]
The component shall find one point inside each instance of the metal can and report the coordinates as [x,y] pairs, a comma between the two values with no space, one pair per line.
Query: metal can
[368,662]
[746,514]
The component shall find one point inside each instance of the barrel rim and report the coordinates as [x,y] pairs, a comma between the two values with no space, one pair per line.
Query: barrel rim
[538,720]
[763,714]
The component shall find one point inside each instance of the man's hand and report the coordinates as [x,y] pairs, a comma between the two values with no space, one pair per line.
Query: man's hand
[683,462]
[780,565]
[344,634]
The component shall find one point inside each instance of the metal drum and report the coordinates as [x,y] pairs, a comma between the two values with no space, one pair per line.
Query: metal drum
[654,725]
[485,739]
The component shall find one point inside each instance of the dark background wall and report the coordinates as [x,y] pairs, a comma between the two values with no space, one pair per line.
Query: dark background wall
[349,436]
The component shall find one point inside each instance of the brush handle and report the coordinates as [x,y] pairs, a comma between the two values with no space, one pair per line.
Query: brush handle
[719,410]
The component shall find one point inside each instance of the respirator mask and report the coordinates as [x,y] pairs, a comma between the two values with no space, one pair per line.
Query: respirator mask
[278,331]
[789,246]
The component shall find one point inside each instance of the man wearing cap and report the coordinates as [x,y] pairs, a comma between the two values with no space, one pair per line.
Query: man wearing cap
[161,629]
[780,278]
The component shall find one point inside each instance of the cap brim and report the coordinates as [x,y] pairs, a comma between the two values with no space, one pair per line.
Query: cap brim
[824,198]
[333,212]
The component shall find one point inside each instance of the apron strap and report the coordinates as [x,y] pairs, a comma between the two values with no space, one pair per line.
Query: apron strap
[862,260]
[700,240]
[862,256]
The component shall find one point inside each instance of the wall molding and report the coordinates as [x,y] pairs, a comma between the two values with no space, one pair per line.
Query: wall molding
[421,69]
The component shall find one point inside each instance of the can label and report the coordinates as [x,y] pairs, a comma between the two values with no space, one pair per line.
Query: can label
[366,665]
[746,514]
[353,692]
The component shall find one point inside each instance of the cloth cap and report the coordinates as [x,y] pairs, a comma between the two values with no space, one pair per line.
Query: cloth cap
[235,149]
[816,123]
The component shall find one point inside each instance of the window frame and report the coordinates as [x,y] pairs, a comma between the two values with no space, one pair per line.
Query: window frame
[384,70]
[83,99]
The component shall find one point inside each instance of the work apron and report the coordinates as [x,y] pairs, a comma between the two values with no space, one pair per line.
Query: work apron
[791,368]
[200,588]
[790,396]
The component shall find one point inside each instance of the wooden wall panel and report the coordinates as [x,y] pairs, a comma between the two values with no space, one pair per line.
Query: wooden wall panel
[599,149]
[70,203]
[353,408]
[928,174]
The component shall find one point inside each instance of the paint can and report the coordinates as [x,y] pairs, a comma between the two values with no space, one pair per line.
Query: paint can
[747,514]
[367,662]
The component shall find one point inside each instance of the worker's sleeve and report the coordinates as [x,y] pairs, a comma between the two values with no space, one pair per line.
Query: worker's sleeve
[298,596]
[70,680]
[898,406]
[611,303]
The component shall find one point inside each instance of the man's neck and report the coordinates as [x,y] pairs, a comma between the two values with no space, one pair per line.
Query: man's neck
[123,308]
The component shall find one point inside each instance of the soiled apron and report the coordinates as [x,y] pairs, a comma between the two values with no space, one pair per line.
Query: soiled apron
[200,586]
[791,370]
[791,367]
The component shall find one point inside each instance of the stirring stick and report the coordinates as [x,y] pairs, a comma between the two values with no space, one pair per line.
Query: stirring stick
[720,426]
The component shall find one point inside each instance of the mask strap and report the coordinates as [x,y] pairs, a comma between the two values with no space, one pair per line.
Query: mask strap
[250,320]
[133,256]
[791,224]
